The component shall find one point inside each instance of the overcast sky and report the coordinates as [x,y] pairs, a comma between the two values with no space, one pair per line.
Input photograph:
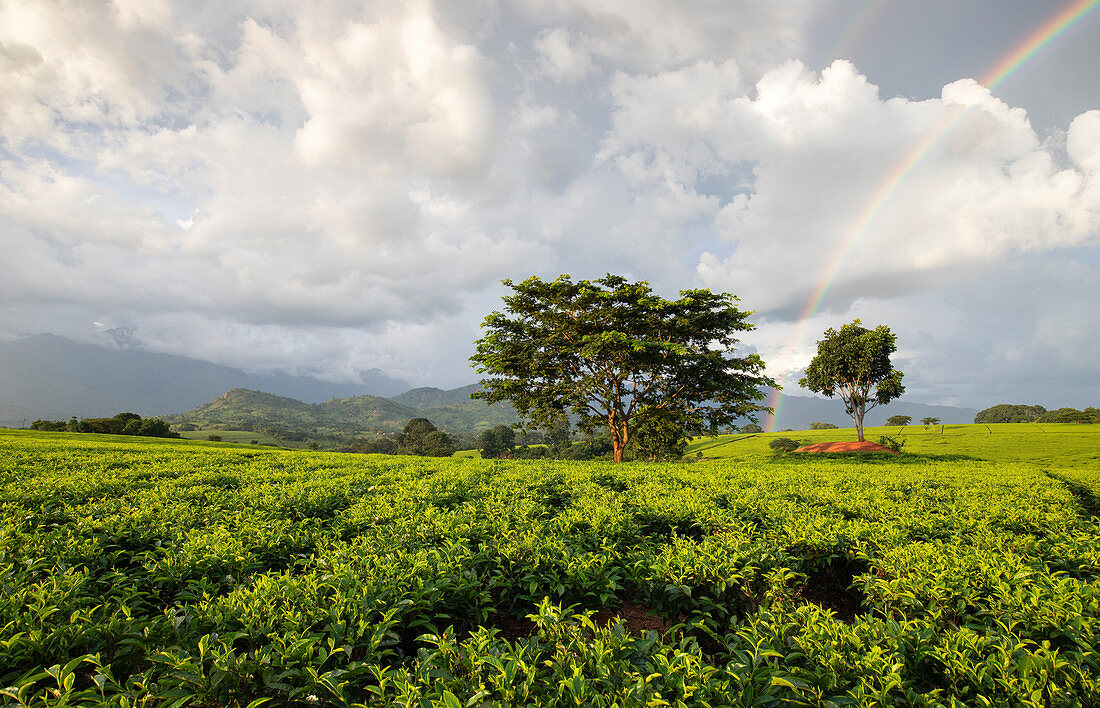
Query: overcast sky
[329,187]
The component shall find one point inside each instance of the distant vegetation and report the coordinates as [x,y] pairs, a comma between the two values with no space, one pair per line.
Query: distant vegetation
[121,424]
[816,425]
[899,420]
[1018,413]
[360,424]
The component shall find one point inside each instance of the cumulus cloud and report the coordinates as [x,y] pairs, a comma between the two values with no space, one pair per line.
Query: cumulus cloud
[848,188]
[332,187]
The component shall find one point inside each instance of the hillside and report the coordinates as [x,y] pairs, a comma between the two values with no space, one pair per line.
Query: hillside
[46,376]
[339,418]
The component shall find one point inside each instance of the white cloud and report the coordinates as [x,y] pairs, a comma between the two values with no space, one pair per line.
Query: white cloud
[841,176]
[562,56]
[346,183]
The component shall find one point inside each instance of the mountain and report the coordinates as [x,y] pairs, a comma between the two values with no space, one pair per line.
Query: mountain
[339,418]
[434,398]
[47,376]
[797,412]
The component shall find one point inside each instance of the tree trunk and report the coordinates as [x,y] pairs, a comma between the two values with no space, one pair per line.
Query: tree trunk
[619,437]
[857,412]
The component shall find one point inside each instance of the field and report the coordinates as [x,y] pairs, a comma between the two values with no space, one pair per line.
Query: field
[242,437]
[150,572]
[1046,445]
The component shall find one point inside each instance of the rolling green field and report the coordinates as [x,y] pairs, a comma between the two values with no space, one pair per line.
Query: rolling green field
[1048,444]
[152,572]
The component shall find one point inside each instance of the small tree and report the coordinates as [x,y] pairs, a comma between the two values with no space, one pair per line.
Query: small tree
[784,444]
[817,425]
[930,421]
[750,428]
[496,442]
[851,363]
[899,420]
[602,350]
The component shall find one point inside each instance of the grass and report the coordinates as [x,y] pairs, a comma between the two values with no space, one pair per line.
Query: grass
[1048,445]
[242,437]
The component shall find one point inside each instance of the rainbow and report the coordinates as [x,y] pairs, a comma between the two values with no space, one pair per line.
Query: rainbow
[1012,62]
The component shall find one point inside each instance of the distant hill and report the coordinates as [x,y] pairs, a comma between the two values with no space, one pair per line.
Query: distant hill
[434,398]
[340,418]
[47,376]
[797,412]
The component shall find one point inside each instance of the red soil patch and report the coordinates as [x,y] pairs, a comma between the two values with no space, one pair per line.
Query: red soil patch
[846,447]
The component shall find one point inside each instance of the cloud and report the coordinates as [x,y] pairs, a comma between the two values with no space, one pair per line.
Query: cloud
[331,187]
[825,200]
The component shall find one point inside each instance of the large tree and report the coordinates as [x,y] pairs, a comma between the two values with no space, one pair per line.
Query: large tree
[855,363]
[603,350]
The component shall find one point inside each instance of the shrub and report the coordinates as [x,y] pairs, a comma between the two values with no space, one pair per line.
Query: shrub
[784,445]
[816,425]
[751,428]
[214,438]
[891,443]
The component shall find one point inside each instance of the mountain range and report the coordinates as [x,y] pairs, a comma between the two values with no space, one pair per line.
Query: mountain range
[52,377]
[47,376]
[345,418]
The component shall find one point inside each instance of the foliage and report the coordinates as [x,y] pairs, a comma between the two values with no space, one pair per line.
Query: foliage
[929,421]
[851,362]
[497,442]
[421,437]
[658,435]
[1071,415]
[161,572]
[367,446]
[891,443]
[121,424]
[899,420]
[749,428]
[784,444]
[822,426]
[602,350]
[1009,413]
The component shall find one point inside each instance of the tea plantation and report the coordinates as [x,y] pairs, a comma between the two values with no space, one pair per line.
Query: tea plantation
[137,572]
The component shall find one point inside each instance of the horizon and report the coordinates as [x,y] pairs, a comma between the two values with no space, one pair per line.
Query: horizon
[326,192]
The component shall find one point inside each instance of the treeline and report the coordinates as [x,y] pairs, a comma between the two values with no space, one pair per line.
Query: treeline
[121,424]
[1019,413]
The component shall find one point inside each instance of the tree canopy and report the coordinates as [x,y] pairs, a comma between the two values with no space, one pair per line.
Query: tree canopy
[498,441]
[899,420]
[603,350]
[1010,413]
[421,437]
[854,362]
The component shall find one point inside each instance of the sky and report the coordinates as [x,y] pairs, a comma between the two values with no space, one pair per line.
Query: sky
[329,187]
